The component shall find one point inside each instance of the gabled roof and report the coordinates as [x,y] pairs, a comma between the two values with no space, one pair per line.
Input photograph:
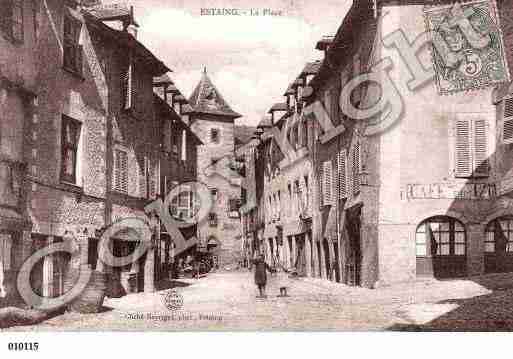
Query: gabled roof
[111,12]
[180,98]
[265,122]
[311,68]
[162,80]
[280,106]
[123,38]
[206,99]
[323,43]
[290,90]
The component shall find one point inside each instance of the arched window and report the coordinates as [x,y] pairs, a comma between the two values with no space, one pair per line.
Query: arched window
[499,235]
[440,236]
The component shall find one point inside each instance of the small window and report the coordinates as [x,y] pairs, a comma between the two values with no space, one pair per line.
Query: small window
[121,171]
[213,192]
[214,135]
[212,219]
[70,136]
[72,57]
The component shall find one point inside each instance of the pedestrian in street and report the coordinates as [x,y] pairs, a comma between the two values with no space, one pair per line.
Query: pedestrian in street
[261,268]
[283,280]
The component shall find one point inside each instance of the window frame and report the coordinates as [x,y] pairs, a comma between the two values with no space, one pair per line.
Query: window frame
[470,156]
[72,58]
[508,233]
[117,172]
[451,241]
[66,146]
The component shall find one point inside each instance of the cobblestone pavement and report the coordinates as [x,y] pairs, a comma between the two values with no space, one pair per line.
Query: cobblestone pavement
[227,301]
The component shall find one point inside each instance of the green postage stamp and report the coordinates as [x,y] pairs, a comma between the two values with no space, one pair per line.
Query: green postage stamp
[467,50]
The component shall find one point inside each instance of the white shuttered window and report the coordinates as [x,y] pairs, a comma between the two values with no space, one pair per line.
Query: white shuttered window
[342,174]
[327,183]
[121,171]
[471,151]
[356,168]
[508,121]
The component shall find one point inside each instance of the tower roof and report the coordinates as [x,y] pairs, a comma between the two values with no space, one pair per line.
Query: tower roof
[206,99]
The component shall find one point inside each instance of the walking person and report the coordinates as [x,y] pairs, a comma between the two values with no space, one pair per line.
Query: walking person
[261,268]
[283,279]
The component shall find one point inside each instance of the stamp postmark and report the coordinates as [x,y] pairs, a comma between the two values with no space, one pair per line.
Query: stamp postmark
[468,51]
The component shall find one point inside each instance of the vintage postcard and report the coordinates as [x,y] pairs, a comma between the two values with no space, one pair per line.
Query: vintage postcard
[260,165]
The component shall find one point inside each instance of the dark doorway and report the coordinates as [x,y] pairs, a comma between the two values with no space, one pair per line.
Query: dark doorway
[354,260]
[499,245]
[336,268]
[319,260]
[301,255]
[327,262]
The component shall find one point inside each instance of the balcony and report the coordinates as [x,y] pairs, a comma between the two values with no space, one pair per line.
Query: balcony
[12,175]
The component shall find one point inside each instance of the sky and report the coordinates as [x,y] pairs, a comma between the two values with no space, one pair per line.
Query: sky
[250,59]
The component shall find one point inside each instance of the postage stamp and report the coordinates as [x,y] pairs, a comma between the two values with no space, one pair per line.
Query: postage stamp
[468,51]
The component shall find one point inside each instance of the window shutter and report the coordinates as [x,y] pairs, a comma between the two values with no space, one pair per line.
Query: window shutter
[463,148]
[342,173]
[121,171]
[143,183]
[320,185]
[127,84]
[153,179]
[356,168]
[327,183]
[508,121]
[184,145]
[480,148]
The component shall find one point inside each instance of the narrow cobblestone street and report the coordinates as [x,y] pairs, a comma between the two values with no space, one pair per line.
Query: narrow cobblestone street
[227,301]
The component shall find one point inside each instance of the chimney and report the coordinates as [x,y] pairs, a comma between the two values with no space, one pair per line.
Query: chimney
[130,25]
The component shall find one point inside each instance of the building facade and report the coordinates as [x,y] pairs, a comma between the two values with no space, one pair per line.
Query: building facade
[84,143]
[212,120]
[423,196]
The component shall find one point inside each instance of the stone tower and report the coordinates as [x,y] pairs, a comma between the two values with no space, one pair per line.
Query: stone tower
[212,120]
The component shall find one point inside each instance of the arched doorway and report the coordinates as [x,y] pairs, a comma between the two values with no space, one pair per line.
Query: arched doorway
[441,250]
[499,245]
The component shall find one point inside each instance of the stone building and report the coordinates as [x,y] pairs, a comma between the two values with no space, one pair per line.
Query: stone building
[19,34]
[212,120]
[82,141]
[178,167]
[425,195]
